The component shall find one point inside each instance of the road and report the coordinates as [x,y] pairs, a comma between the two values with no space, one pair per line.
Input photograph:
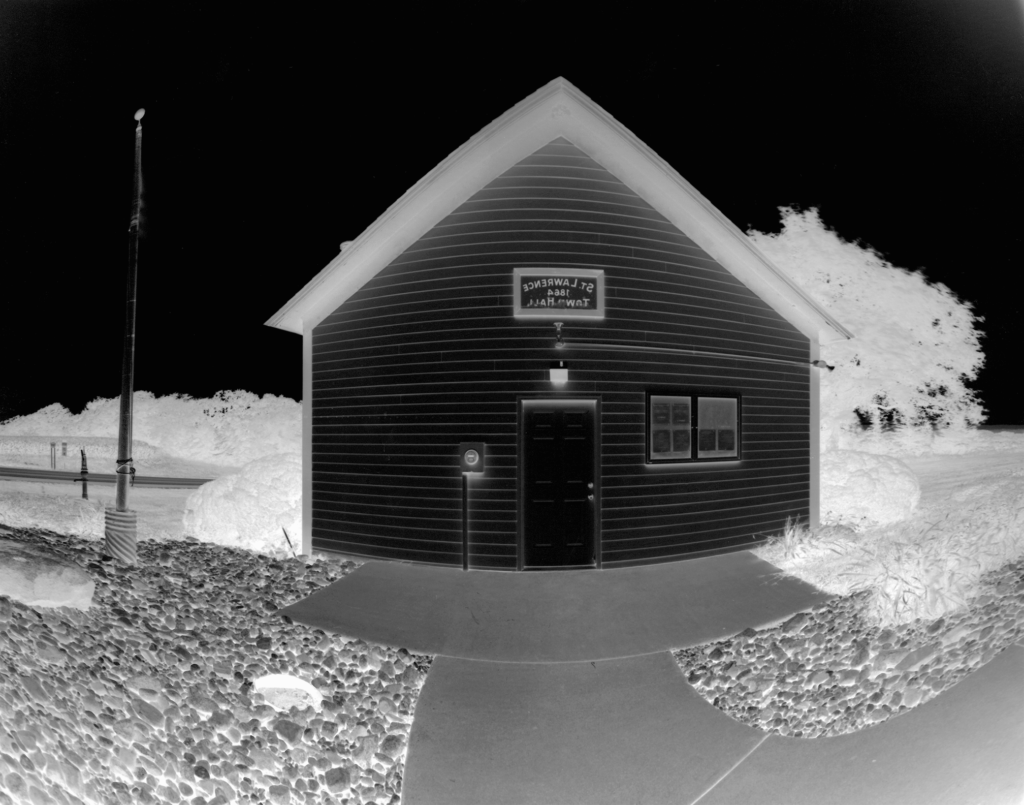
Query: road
[58,476]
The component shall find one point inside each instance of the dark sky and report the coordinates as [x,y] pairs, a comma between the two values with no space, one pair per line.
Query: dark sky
[273,135]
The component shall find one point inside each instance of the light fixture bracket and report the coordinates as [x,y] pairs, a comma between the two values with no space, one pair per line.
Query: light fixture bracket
[559,343]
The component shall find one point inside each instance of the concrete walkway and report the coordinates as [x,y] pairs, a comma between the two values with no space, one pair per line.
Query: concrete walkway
[556,616]
[559,688]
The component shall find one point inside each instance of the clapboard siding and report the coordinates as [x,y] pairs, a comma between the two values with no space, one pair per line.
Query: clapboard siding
[427,354]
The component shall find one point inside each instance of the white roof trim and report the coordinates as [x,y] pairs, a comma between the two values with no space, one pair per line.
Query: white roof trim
[557,109]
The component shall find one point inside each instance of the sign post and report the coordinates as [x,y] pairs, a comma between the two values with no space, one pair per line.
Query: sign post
[121,525]
[471,462]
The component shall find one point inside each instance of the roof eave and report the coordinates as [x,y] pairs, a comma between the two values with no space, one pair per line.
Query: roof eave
[556,109]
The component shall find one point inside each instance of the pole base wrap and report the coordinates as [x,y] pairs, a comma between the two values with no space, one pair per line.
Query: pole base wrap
[121,531]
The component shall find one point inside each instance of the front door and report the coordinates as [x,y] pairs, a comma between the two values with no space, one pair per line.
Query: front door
[559,495]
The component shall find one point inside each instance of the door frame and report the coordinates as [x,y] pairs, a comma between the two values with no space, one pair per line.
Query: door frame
[521,401]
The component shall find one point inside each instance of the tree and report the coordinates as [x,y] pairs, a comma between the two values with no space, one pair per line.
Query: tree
[915,343]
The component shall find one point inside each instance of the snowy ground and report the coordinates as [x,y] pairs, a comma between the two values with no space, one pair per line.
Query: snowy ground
[159,465]
[58,507]
[970,518]
[943,476]
[230,438]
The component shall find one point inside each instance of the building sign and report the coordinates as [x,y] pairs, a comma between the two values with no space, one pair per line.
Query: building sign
[558,293]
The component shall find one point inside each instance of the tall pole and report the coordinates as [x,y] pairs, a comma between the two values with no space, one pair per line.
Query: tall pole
[121,524]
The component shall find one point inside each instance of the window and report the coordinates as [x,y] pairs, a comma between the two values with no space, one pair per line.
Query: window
[692,427]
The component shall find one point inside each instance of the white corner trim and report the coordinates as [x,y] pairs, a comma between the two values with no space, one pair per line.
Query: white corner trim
[307,443]
[815,438]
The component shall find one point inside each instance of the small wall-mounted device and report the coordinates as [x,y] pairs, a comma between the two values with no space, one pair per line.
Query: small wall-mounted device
[471,457]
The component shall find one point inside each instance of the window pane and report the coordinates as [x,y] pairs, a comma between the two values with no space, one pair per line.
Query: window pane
[661,441]
[670,422]
[716,426]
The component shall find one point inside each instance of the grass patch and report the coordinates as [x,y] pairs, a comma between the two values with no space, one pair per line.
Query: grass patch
[923,568]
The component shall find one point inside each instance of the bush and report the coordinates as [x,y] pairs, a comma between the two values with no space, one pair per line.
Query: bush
[915,344]
[861,490]
[249,509]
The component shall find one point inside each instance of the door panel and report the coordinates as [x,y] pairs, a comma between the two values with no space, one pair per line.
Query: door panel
[559,505]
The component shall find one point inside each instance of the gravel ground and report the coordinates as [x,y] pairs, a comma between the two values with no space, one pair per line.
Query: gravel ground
[147,697]
[828,672]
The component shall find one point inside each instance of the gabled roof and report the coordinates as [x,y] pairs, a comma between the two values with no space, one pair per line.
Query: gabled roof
[556,109]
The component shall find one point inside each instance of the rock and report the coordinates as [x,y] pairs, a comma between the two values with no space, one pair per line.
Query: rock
[337,780]
[937,626]
[367,749]
[221,719]
[848,678]
[818,678]
[888,659]
[149,712]
[16,785]
[954,635]
[917,656]
[168,794]
[34,688]
[391,746]
[38,577]
[138,682]
[279,794]
[204,704]
[794,623]
[288,730]
[757,684]
[878,715]
[911,696]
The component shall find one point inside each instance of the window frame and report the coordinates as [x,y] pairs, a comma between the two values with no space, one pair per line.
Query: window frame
[694,396]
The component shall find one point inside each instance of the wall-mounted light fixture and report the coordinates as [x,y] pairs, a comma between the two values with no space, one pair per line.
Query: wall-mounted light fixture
[559,343]
[559,373]
[820,364]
